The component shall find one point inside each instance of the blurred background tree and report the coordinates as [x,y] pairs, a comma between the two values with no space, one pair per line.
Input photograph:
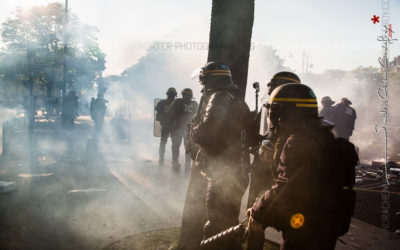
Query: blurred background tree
[32,55]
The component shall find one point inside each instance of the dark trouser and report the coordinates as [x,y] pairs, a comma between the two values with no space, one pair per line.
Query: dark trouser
[224,195]
[176,137]
[165,133]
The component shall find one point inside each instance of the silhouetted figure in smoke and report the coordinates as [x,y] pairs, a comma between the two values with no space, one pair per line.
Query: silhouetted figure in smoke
[261,174]
[69,110]
[182,111]
[327,110]
[97,111]
[344,119]
[166,122]
[222,157]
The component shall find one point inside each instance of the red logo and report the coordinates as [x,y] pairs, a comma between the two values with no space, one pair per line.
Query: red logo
[375,19]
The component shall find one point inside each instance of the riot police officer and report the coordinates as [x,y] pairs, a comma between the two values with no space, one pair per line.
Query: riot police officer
[182,111]
[327,110]
[301,202]
[222,156]
[98,111]
[194,211]
[165,120]
[345,118]
[281,78]
[262,173]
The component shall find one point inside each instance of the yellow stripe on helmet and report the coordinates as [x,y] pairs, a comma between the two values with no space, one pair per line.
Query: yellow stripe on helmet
[293,100]
[306,105]
[285,78]
[221,74]
[217,71]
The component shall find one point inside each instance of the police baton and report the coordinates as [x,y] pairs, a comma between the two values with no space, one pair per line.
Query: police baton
[235,233]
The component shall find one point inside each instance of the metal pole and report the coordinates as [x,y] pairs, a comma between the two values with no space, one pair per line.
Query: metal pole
[256,86]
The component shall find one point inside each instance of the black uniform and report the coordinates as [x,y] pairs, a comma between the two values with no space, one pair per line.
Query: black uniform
[166,123]
[220,154]
[182,111]
[98,111]
[302,163]
[328,112]
[344,119]
[312,199]
[194,211]
[222,159]
[262,174]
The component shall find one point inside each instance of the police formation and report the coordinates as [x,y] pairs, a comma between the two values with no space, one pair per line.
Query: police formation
[342,115]
[302,174]
[174,115]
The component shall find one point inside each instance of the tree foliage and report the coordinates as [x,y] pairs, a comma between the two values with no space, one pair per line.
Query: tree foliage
[34,51]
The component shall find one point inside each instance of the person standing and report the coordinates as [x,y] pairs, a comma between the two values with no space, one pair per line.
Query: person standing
[306,200]
[344,119]
[182,111]
[222,156]
[194,210]
[261,175]
[97,111]
[165,119]
[327,110]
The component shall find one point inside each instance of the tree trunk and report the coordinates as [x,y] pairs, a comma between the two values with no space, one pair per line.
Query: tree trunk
[230,37]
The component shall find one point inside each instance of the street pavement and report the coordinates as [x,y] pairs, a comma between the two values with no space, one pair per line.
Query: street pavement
[164,190]
[90,204]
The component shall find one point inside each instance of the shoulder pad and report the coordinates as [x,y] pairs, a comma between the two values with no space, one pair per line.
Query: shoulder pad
[221,97]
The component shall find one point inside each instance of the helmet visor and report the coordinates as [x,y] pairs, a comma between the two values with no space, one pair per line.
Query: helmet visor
[196,73]
[265,97]
[265,123]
